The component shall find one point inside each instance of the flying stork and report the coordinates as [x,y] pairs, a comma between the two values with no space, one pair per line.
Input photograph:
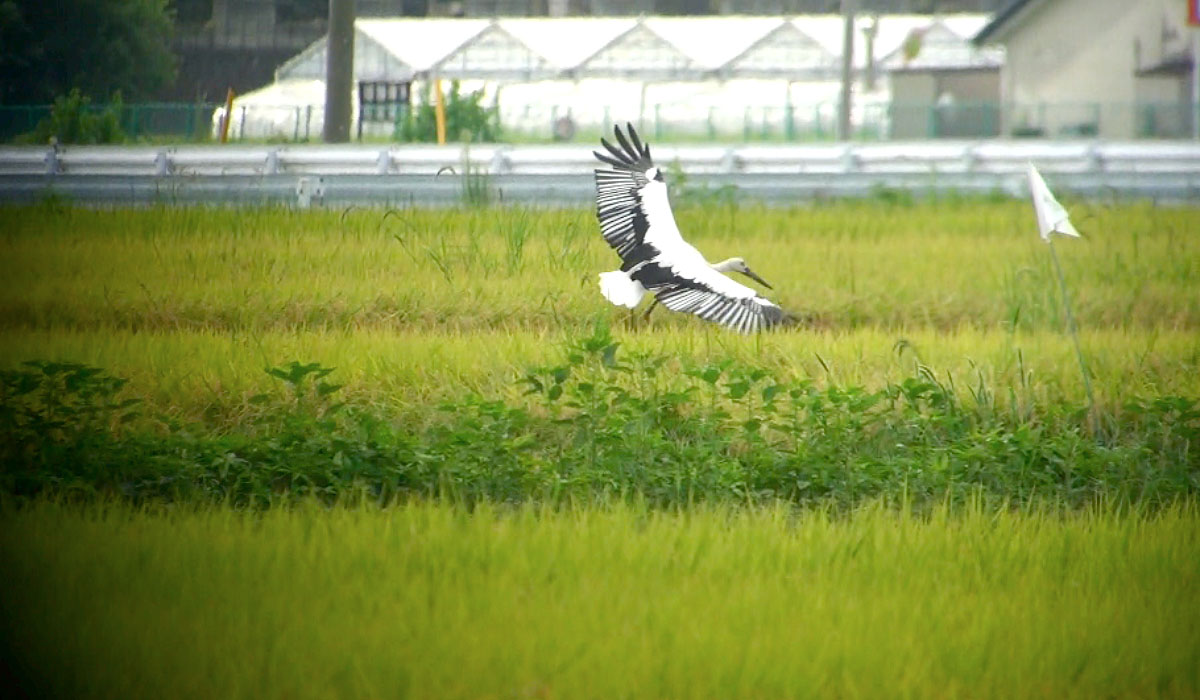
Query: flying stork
[636,220]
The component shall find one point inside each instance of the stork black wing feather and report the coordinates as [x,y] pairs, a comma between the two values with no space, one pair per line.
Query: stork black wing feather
[628,156]
[609,159]
[626,161]
[633,153]
[623,220]
[616,152]
[679,293]
[643,150]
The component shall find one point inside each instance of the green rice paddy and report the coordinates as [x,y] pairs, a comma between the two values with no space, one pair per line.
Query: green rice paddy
[414,453]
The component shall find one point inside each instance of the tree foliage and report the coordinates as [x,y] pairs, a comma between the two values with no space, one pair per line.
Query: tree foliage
[98,46]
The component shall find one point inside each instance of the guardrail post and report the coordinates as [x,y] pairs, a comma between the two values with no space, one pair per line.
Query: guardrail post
[308,189]
[729,161]
[162,164]
[53,164]
[1095,161]
[850,160]
[501,163]
[970,159]
[383,164]
[273,162]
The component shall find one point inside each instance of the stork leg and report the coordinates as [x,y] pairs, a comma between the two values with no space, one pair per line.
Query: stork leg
[646,316]
[631,320]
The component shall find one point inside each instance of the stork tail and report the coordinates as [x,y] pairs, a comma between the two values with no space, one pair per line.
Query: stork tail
[620,289]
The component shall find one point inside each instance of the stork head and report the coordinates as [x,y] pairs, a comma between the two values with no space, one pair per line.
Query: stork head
[739,265]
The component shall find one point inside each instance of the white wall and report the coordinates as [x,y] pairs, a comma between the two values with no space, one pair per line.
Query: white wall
[1079,58]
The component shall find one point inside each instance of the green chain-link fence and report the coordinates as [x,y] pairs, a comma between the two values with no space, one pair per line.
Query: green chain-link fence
[152,121]
[184,122]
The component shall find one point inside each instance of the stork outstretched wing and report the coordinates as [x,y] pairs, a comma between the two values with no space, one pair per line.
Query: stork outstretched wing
[708,294]
[636,220]
[624,220]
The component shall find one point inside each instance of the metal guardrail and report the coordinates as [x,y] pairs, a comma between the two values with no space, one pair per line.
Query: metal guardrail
[561,175]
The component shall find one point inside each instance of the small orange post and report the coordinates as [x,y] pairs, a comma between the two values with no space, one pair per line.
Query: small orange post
[439,109]
[228,116]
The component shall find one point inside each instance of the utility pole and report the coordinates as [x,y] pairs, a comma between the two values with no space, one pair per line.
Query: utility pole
[339,71]
[1196,82]
[1193,21]
[869,34]
[848,7]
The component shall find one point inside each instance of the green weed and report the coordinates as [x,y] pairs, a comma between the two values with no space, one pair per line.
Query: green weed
[605,426]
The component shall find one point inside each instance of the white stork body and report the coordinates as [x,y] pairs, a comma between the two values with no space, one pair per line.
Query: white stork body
[636,220]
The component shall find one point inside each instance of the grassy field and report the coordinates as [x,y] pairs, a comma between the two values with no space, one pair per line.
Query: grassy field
[908,495]
[414,306]
[430,600]
[934,358]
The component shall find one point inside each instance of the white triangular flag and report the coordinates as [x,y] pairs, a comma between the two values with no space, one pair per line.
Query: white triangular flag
[1051,216]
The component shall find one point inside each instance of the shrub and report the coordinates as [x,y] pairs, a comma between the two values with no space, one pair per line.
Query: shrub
[73,119]
[467,119]
[602,426]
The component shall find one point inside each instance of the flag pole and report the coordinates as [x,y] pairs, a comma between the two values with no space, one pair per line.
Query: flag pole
[1083,369]
[1052,218]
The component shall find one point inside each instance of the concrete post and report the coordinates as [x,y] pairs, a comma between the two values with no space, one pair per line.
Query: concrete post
[339,71]
[848,7]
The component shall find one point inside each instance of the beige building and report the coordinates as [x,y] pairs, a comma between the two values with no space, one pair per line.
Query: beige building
[1108,68]
[956,102]
[943,86]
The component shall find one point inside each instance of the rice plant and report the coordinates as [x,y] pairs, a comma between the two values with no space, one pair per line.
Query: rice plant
[271,453]
[424,308]
[434,600]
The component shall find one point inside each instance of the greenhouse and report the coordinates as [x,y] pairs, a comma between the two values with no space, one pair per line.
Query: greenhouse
[771,77]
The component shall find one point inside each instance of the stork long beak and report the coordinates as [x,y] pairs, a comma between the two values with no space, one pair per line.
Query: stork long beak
[750,273]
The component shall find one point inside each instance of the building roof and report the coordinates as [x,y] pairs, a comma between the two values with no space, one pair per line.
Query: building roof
[1176,65]
[713,44]
[638,51]
[784,49]
[1002,21]
[567,42]
[495,52]
[645,48]
[424,43]
[944,44]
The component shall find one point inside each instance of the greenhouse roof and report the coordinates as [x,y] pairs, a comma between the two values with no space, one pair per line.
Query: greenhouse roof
[639,51]
[569,41]
[649,48]
[711,45]
[786,50]
[422,43]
